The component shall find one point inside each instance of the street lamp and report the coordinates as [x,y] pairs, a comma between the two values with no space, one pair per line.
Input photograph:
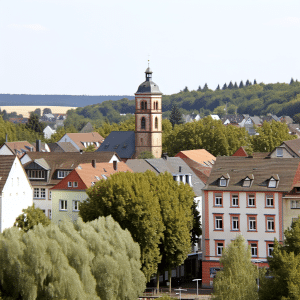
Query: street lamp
[180,289]
[197,284]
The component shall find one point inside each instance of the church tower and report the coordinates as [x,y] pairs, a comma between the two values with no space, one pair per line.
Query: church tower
[148,117]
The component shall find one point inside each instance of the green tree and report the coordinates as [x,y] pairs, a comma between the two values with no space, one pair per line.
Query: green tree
[218,88]
[47,110]
[235,86]
[38,112]
[237,280]
[199,89]
[270,136]
[247,82]
[241,84]
[230,85]
[90,148]
[186,89]
[34,124]
[145,155]
[205,88]
[292,81]
[224,86]
[175,116]
[30,217]
[254,81]
[71,261]
[296,118]
[132,202]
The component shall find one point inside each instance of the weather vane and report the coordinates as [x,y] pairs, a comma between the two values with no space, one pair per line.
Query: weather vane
[148,60]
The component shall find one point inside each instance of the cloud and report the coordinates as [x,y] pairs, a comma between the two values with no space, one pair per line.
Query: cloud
[285,22]
[35,27]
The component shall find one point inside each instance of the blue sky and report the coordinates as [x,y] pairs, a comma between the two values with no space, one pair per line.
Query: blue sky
[97,47]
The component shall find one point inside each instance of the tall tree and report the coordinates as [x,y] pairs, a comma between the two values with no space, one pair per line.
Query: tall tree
[235,86]
[237,280]
[254,81]
[175,116]
[47,110]
[205,88]
[218,88]
[199,89]
[71,261]
[38,112]
[292,81]
[247,82]
[34,124]
[186,89]
[224,86]
[230,85]
[241,84]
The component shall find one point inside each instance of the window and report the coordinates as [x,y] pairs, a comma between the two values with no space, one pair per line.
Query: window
[75,184]
[270,223]
[187,179]
[76,205]
[143,123]
[145,105]
[36,193]
[252,223]
[218,200]
[295,203]
[279,152]
[253,247]
[218,223]
[36,174]
[181,178]
[270,248]
[156,105]
[49,214]
[235,200]
[62,204]
[69,184]
[219,249]
[272,183]
[223,182]
[251,200]
[43,193]
[269,201]
[62,174]
[247,182]
[235,223]
[156,123]
[50,195]
[142,105]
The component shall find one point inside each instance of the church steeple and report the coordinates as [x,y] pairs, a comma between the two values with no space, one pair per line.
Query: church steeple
[148,73]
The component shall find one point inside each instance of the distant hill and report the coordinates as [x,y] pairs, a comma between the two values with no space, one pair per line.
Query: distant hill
[56,100]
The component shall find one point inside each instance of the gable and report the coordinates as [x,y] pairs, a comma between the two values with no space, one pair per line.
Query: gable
[72,177]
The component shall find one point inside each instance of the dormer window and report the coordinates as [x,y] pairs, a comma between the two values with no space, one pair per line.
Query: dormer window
[272,183]
[223,181]
[279,152]
[248,181]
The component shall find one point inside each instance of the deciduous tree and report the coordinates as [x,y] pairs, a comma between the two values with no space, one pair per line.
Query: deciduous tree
[237,279]
[175,116]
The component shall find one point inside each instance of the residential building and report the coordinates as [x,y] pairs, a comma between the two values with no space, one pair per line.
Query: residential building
[62,147]
[70,191]
[247,196]
[45,170]
[48,131]
[82,140]
[16,148]
[287,149]
[200,156]
[15,189]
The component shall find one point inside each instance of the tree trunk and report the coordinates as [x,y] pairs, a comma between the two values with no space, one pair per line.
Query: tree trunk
[170,279]
[157,282]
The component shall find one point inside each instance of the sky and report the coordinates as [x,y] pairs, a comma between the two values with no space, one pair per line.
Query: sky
[97,47]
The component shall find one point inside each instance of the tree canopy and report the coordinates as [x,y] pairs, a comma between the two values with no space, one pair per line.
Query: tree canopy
[155,209]
[30,217]
[175,116]
[237,279]
[94,260]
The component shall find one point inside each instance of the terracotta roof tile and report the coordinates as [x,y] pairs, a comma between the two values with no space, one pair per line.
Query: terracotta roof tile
[199,155]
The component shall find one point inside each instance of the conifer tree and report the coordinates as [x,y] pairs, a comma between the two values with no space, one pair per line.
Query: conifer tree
[205,88]
[254,81]
[230,85]
[235,86]
[175,116]
[241,84]
[247,82]
[237,280]
[224,86]
[186,89]
[292,81]
[218,88]
[199,89]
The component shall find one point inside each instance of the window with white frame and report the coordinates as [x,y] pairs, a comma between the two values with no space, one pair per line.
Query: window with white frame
[247,182]
[279,152]
[36,193]
[272,183]
[43,193]
[270,224]
[235,200]
[62,173]
[69,183]
[49,214]
[269,201]
[76,205]
[235,223]
[252,223]
[218,222]
[36,174]
[63,205]
[50,195]
[220,246]
[223,182]
[253,247]
[218,200]
[270,249]
[75,184]
[251,200]
[295,203]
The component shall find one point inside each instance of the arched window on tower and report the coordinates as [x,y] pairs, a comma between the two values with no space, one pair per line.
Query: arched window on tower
[153,105]
[156,123]
[156,105]
[143,123]
[145,105]
[142,105]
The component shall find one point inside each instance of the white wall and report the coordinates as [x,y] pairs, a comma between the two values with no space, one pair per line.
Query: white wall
[16,195]
[5,151]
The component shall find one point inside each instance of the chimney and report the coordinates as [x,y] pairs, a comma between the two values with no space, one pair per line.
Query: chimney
[94,163]
[38,146]
[115,165]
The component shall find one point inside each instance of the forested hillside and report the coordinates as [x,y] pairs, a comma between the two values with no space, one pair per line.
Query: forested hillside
[249,98]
